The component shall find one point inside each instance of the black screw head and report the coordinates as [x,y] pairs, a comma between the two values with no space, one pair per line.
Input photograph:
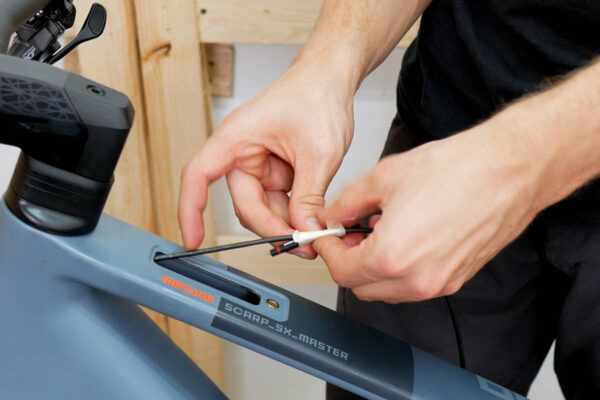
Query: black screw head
[96,90]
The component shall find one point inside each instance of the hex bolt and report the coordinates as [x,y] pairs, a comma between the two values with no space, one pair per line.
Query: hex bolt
[272,303]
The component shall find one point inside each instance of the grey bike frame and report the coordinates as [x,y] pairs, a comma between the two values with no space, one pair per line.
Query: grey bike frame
[72,329]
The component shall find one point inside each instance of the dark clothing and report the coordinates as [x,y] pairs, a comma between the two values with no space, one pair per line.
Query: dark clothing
[543,286]
[472,57]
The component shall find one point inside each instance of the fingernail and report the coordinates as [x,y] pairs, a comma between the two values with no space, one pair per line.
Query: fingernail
[302,255]
[299,253]
[313,224]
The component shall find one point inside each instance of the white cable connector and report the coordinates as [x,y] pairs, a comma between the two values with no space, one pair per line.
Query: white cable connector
[303,238]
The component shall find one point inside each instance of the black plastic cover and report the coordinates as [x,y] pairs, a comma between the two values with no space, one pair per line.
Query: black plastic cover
[71,131]
[61,118]
[54,200]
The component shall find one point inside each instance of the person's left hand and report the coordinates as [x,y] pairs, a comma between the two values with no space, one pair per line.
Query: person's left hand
[447,207]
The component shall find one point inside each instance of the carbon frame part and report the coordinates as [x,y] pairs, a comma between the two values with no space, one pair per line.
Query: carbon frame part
[73,331]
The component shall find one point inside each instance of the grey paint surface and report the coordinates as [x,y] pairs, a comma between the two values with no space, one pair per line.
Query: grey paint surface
[73,333]
[65,339]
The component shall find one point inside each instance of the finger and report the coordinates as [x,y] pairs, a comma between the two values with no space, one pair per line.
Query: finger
[278,202]
[279,175]
[266,216]
[306,201]
[360,199]
[251,205]
[347,265]
[311,179]
[353,239]
[423,283]
[390,291]
[373,220]
[212,162]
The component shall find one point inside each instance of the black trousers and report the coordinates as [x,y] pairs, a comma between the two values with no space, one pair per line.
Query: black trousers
[544,286]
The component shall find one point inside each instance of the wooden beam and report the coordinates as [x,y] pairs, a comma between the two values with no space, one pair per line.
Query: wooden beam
[179,120]
[113,61]
[220,68]
[263,21]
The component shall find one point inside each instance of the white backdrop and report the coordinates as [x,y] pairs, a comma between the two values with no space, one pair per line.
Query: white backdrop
[8,158]
[251,376]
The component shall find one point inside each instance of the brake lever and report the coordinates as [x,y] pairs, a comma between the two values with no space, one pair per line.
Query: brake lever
[37,39]
[92,28]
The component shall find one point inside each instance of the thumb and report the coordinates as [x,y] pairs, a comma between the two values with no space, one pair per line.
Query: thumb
[307,198]
[358,200]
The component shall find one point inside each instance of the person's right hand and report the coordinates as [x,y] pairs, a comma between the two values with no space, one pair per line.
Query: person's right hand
[292,136]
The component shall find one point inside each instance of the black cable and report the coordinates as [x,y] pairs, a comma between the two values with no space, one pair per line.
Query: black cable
[359,230]
[239,245]
[284,248]
[224,247]
[459,342]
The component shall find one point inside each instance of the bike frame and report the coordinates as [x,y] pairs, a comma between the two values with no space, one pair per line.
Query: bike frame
[76,332]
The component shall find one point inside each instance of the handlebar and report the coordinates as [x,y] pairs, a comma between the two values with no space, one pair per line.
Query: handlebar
[14,14]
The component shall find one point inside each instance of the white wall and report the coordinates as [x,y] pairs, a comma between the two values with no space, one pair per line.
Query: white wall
[251,376]
[8,158]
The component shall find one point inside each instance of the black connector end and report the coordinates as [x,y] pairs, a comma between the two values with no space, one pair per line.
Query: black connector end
[284,248]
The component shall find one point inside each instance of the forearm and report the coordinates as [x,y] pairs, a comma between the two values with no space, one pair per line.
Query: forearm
[557,135]
[352,37]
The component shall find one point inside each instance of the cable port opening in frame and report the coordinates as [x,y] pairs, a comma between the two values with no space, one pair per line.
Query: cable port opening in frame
[191,271]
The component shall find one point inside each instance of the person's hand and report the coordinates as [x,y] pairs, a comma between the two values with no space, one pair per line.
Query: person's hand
[292,136]
[447,208]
